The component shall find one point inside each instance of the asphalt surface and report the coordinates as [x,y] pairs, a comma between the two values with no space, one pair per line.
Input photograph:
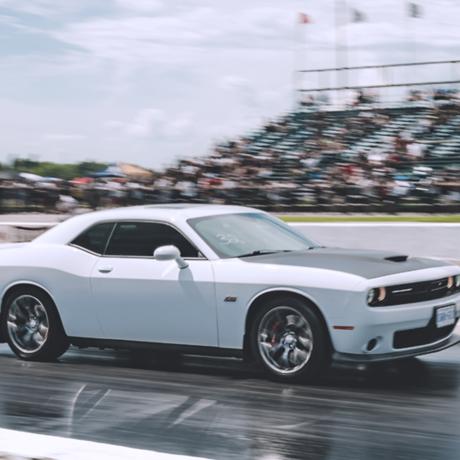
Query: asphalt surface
[427,240]
[222,409]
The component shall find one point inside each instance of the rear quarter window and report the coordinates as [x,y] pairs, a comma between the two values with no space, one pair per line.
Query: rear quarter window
[95,238]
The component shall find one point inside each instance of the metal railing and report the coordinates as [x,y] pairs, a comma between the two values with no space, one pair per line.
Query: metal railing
[384,77]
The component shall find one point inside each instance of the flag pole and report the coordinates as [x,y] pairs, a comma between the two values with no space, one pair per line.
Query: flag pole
[413,11]
[300,49]
[414,29]
[408,10]
[341,45]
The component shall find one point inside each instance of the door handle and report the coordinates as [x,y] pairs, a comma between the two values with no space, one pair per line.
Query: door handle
[105,269]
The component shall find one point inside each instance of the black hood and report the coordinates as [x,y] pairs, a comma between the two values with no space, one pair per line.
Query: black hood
[365,263]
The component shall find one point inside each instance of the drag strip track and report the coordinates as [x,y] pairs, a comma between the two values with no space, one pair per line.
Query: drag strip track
[221,409]
[414,239]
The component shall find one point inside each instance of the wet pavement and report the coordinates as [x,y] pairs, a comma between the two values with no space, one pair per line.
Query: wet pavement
[223,409]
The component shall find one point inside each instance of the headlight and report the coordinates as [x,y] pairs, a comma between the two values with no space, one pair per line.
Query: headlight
[453,283]
[457,281]
[376,296]
[371,296]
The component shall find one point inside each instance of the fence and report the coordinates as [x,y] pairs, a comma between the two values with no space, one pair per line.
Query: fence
[337,86]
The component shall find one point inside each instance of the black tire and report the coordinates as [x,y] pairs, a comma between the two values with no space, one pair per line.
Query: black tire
[53,345]
[320,354]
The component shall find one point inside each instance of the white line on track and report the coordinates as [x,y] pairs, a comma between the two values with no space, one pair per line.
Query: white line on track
[30,445]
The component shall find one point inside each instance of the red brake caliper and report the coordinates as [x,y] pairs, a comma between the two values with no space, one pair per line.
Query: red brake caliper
[274,329]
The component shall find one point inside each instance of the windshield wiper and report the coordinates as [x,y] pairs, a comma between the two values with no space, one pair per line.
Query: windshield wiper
[262,252]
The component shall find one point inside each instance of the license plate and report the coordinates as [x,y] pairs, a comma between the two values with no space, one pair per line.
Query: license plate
[445,316]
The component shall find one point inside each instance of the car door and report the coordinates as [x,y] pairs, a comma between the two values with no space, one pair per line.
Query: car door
[142,299]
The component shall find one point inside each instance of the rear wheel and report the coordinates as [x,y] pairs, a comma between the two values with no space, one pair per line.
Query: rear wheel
[289,340]
[32,325]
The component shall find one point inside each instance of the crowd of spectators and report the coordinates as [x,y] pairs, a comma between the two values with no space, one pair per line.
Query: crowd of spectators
[332,167]
[312,158]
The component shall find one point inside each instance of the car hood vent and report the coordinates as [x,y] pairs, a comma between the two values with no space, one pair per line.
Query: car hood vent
[396,258]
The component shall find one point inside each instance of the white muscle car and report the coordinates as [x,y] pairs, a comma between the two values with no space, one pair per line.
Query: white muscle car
[224,280]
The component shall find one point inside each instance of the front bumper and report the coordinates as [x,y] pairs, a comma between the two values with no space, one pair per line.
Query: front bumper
[370,358]
[397,332]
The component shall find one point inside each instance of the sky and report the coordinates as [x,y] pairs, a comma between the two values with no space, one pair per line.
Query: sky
[150,81]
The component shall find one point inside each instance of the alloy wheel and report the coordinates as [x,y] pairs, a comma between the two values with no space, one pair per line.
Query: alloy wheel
[28,323]
[285,340]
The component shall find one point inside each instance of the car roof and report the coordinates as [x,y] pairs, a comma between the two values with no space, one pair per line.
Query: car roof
[175,213]
[167,211]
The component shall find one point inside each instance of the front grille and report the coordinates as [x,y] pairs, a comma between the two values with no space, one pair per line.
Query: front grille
[421,336]
[417,292]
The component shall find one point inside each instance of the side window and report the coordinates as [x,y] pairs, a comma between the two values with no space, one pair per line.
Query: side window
[142,238]
[95,238]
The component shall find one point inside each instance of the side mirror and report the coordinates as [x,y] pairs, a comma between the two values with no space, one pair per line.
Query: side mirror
[170,253]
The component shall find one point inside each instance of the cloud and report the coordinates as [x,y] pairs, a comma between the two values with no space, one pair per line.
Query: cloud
[251,95]
[152,38]
[180,127]
[150,122]
[176,32]
[46,8]
[146,122]
[38,8]
[231,82]
[63,137]
[140,6]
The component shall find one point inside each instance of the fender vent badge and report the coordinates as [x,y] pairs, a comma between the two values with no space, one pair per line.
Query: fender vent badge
[230,299]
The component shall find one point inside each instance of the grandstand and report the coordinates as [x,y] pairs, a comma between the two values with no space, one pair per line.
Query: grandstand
[367,156]
[357,159]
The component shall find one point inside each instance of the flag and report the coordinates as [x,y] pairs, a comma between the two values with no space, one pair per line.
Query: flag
[304,18]
[414,10]
[357,16]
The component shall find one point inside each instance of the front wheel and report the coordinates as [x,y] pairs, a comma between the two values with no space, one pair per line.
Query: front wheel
[32,325]
[289,340]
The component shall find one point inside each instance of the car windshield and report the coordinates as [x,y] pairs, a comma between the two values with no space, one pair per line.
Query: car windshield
[248,234]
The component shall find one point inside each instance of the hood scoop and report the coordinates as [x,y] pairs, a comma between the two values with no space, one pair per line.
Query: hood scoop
[396,258]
